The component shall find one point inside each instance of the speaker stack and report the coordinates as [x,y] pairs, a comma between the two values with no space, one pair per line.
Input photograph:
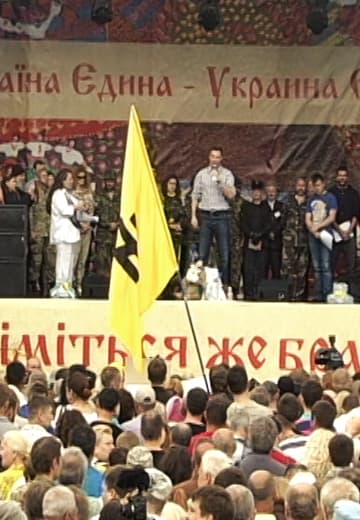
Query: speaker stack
[13,250]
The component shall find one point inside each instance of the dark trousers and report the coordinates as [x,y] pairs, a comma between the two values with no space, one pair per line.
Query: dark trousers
[272,262]
[253,272]
[347,249]
[216,225]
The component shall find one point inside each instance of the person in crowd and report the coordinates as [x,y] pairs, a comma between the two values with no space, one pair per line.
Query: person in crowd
[107,209]
[332,491]
[237,241]
[108,409]
[180,435]
[238,385]
[218,375]
[196,401]
[230,476]
[84,437]
[145,401]
[302,502]
[176,464]
[183,492]
[212,462]
[256,225]
[127,440]
[33,498]
[16,377]
[157,371]
[238,420]
[290,441]
[213,188]
[74,466]
[11,193]
[243,502]
[262,486]
[43,257]
[153,432]
[127,406]
[311,393]
[83,193]
[158,494]
[78,394]
[68,419]
[212,503]
[319,218]
[273,391]
[341,451]
[112,377]
[5,423]
[273,243]
[317,458]
[215,418]
[262,438]
[59,504]
[174,212]
[14,453]
[64,232]
[140,456]
[295,252]
[224,441]
[348,211]
[103,446]
[40,417]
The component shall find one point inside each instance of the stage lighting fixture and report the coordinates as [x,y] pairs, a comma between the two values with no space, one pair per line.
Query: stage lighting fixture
[209,15]
[102,12]
[317,19]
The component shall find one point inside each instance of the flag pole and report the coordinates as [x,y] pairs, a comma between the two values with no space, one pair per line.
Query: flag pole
[191,323]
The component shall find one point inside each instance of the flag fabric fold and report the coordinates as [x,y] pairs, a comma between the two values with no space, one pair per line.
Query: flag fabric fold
[144,259]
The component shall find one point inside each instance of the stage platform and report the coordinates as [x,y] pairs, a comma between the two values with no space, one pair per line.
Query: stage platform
[269,338]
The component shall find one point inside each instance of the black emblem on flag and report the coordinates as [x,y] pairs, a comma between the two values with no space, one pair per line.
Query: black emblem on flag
[123,253]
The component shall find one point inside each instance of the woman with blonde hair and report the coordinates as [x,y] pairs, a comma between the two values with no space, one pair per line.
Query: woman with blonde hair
[14,454]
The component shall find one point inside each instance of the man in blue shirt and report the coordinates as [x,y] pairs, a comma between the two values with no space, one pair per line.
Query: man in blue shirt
[320,216]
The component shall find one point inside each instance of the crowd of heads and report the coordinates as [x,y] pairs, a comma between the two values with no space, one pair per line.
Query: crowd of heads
[76,445]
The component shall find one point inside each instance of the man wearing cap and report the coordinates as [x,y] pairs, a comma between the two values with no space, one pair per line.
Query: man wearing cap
[107,209]
[256,224]
[213,188]
[144,401]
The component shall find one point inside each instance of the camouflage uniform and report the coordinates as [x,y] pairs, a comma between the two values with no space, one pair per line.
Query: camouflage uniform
[295,261]
[108,210]
[85,194]
[43,254]
[237,243]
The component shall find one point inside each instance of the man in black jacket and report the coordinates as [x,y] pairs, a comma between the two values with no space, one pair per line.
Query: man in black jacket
[273,246]
[255,221]
[347,216]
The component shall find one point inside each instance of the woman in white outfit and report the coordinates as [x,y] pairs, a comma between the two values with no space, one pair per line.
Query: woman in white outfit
[63,233]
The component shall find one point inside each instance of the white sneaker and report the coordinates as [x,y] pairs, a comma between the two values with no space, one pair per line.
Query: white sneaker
[70,291]
[62,292]
[53,291]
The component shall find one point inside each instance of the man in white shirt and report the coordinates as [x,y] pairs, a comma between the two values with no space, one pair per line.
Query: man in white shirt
[40,416]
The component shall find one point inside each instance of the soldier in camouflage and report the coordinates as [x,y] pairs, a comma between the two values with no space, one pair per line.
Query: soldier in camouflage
[107,205]
[43,255]
[237,240]
[295,261]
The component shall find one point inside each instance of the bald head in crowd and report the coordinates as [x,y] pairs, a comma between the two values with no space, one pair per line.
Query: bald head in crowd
[262,485]
[224,441]
[301,502]
[336,489]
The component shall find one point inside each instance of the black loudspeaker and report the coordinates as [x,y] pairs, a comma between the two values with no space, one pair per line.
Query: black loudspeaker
[273,290]
[13,250]
[95,286]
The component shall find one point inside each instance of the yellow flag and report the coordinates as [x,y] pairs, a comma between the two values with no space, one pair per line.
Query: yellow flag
[144,258]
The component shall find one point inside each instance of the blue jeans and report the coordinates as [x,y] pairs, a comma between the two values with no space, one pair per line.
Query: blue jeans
[216,225]
[320,256]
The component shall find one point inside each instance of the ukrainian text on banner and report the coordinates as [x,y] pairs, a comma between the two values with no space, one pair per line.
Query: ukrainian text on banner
[269,339]
[180,83]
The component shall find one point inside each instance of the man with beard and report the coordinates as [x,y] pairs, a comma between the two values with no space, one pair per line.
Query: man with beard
[295,256]
[107,209]
[348,200]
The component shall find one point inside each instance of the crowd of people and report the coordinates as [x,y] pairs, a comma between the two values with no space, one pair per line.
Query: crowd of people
[250,236]
[75,446]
